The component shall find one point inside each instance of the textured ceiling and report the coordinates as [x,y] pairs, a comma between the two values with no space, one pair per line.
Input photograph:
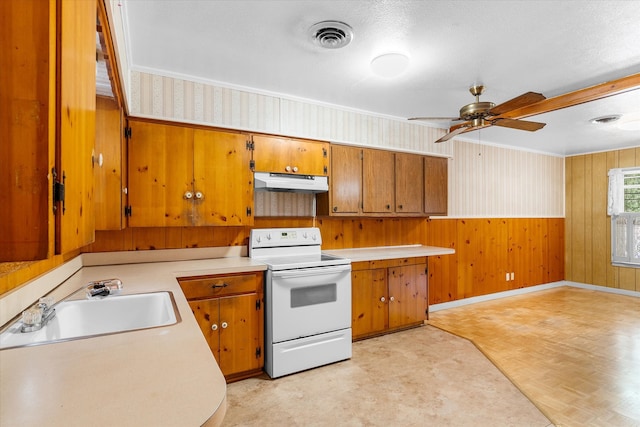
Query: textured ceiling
[512,47]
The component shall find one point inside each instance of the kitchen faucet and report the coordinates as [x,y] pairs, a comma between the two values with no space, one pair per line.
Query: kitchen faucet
[37,316]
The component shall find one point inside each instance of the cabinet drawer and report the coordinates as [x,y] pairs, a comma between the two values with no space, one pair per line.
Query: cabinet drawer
[218,286]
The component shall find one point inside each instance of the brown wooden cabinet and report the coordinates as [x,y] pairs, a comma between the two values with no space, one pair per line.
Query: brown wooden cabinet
[110,175]
[388,295]
[372,182]
[184,176]
[345,182]
[47,95]
[409,188]
[378,181]
[288,155]
[229,311]
[76,79]
[436,185]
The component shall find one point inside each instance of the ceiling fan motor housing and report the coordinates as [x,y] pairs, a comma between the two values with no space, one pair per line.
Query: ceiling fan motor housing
[475,110]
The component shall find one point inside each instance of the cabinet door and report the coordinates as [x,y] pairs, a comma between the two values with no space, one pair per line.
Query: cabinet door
[240,334]
[286,155]
[435,185]
[378,181]
[76,77]
[409,183]
[407,295]
[27,112]
[108,176]
[160,174]
[368,301]
[346,179]
[223,181]
[207,314]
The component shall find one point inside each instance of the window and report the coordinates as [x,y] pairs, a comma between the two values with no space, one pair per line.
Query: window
[624,207]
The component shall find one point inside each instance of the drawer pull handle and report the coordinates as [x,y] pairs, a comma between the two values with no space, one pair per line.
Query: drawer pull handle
[214,327]
[224,285]
[224,325]
[392,299]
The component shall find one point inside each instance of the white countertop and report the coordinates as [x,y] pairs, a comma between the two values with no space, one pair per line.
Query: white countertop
[162,376]
[389,252]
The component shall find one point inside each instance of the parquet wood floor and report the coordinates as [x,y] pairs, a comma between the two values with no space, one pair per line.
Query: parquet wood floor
[574,352]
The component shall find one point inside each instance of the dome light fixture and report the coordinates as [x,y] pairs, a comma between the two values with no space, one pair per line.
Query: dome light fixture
[389,65]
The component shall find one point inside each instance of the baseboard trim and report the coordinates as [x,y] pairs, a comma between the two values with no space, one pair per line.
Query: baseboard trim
[530,289]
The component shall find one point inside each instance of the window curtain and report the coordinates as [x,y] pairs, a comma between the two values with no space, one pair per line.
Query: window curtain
[615,199]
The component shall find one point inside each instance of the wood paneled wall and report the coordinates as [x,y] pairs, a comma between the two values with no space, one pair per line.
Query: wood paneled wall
[489,248]
[588,233]
[486,249]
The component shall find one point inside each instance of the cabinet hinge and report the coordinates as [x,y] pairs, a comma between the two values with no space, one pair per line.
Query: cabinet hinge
[58,190]
[325,170]
[324,153]
[248,211]
[258,305]
[258,352]
[252,164]
[127,210]
[127,132]
[250,145]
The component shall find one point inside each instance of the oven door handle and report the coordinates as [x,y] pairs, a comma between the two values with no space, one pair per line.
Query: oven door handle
[314,271]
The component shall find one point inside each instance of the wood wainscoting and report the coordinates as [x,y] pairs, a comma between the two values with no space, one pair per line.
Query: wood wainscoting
[486,249]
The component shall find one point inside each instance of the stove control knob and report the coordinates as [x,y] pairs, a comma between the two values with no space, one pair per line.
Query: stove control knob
[314,237]
[258,239]
[305,235]
[269,236]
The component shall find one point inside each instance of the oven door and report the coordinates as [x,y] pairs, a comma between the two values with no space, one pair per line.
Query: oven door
[308,301]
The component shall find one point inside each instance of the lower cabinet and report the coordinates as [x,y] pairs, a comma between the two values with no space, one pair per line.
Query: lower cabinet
[229,311]
[388,295]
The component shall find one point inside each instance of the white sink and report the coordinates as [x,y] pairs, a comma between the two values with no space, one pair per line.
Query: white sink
[92,317]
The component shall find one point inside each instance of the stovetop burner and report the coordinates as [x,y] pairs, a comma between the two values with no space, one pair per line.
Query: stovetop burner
[288,248]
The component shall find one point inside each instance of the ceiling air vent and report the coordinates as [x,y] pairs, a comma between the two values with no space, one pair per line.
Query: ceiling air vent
[331,34]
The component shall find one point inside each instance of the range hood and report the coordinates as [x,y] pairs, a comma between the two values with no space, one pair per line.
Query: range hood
[292,183]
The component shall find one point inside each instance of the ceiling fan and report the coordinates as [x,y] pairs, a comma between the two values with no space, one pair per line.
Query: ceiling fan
[478,115]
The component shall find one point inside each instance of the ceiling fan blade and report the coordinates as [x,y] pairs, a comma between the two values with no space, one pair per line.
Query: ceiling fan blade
[517,102]
[453,133]
[519,124]
[435,119]
[588,94]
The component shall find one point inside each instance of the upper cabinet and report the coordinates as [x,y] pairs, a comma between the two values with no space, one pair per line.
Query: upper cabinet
[436,179]
[288,155]
[76,79]
[48,99]
[372,182]
[378,170]
[345,183]
[110,175]
[409,183]
[186,176]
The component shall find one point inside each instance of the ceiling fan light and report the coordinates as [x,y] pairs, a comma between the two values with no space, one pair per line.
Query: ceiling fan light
[389,65]
[629,122]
